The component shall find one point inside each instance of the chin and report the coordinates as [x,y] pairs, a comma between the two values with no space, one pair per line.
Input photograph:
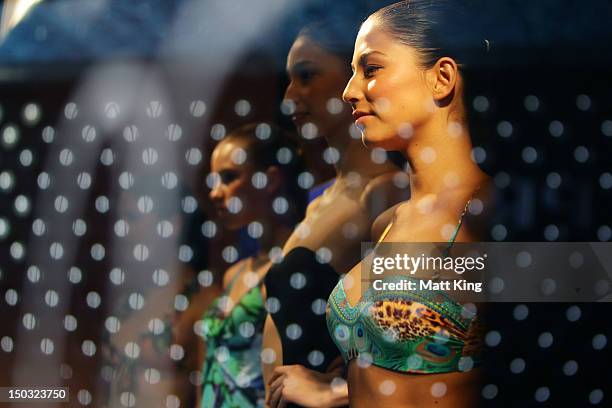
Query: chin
[372,139]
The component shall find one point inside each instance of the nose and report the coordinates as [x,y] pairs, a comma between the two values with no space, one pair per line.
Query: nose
[291,91]
[351,92]
[216,193]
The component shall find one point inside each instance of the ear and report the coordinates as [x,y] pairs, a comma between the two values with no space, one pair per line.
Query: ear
[443,78]
[275,179]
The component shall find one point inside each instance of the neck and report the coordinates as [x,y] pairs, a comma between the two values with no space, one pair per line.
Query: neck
[275,233]
[440,158]
[314,162]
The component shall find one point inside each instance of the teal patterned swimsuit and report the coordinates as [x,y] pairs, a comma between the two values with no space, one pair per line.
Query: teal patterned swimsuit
[412,331]
[232,369]
[415,331]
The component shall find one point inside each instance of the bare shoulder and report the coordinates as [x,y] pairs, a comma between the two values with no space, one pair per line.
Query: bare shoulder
[430,218]
[231,272]
[381,222]
[313,205]
[479,213]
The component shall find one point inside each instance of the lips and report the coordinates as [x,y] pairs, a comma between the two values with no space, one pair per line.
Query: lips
[360,114]
[299,116]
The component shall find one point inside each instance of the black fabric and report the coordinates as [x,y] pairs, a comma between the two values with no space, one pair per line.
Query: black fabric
[296,295]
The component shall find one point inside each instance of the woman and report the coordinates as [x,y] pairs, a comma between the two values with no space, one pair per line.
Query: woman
[406,93]
[255,170]
[327,242]
[151,344]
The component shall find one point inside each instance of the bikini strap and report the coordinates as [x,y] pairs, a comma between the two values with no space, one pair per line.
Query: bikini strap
[385,232]
[451,241]
[236,275]
[242,270]
[455,232]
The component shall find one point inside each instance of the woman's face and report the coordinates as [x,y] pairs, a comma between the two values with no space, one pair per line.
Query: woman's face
[388,90]
[236,200]
[316,81]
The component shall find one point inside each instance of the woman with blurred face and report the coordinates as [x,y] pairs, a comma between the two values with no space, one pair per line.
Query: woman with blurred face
[255,173]
[299,357]
[157,279]
[413,350]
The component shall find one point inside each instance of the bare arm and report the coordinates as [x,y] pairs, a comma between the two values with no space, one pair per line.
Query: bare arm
[272,352]
[308,388]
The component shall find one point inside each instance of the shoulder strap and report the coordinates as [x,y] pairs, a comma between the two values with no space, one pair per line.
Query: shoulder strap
[385,233]
[451,241]
[236,275]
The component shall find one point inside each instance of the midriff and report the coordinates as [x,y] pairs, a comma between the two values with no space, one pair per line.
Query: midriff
[378,387]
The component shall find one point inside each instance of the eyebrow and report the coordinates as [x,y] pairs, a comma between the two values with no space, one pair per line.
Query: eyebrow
[300,65]
[365,55]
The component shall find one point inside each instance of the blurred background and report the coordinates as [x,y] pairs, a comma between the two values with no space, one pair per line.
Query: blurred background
[109,110]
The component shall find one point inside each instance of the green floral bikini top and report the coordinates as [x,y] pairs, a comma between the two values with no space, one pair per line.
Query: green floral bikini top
[232,369]
[416,331]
